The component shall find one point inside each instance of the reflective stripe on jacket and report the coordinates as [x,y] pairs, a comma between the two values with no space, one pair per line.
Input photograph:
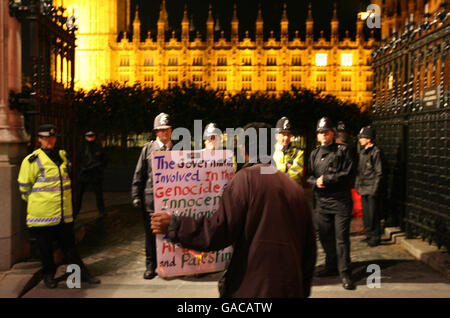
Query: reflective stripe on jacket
[293,156]
[46,188]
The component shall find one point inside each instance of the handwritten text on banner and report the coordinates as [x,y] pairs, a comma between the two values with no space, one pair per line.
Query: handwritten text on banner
[189,183]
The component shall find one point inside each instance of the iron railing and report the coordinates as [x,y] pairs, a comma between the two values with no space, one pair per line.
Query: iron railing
[48,68]
[411,116]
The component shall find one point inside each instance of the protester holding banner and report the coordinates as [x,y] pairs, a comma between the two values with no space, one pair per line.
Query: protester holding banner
[142,186]
[264,215]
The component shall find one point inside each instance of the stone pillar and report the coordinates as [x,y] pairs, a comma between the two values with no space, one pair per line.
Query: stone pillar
[13,140]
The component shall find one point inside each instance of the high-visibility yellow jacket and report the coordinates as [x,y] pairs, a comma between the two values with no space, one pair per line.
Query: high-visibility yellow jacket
[293,156]
[46,188]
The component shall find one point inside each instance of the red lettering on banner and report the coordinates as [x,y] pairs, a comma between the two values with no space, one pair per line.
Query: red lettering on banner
[190,188]
[187,190]
[168,246]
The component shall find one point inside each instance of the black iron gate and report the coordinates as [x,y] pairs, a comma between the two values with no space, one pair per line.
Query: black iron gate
[411,116]
[48,67]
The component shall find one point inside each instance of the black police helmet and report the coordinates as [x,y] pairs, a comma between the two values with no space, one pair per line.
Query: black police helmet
[367,132]
[341,126]
[211,130]
[162,121]
[324,124]
[283,125]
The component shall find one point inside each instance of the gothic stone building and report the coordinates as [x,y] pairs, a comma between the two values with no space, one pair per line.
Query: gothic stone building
[277,63]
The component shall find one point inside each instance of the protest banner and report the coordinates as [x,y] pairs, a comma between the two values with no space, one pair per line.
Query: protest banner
[189,183]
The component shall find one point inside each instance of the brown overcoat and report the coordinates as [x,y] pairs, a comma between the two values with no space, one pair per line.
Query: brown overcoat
[269,223]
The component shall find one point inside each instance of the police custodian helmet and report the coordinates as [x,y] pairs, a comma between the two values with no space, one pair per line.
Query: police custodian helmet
[367,132]
[211,130]
[341,126]
[162,121]
[283,125]
[324,124]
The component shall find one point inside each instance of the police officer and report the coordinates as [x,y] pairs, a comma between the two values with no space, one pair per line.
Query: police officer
[45,185]
[142,186]
[368,180]
[212,137]
[329,170]
[91,162]
[343,137]
[287,158]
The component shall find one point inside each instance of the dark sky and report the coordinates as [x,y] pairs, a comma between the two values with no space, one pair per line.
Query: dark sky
[247,12]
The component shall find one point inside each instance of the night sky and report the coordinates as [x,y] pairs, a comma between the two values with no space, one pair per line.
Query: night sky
[247,12]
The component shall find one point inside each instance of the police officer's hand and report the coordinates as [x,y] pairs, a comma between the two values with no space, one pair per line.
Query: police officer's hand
[319,182]
[160,222]
[137,203]
[289,164]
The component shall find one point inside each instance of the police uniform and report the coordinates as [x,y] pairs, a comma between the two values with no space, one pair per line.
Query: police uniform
[333,204]
[343,137]
[142,192]
[212,130]
[45,185]
[91,162]
[289,155]
[368,180]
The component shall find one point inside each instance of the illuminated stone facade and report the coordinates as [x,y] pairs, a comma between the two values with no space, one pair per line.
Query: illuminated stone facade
[340,67]
[395,13]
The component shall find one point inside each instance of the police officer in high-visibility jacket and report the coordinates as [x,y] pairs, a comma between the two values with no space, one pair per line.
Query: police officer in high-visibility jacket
[45,185]
[287,158]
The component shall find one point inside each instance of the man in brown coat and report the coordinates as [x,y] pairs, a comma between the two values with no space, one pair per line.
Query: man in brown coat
[264,215]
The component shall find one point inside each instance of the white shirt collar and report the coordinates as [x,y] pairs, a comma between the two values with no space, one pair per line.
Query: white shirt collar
[160,144]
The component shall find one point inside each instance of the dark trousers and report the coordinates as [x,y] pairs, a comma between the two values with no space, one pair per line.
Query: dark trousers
[98,190]
[63,234]
[371,218]
[150,242]
[334,235]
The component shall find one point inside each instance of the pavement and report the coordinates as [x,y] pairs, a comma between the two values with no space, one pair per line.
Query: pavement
[113,249]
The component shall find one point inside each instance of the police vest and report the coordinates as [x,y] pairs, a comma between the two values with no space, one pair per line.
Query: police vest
[46,188]
[294,157]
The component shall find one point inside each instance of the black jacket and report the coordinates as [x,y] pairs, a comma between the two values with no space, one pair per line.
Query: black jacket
[142,184]
[268,221]
[370,171]
[91,162]
[334,162]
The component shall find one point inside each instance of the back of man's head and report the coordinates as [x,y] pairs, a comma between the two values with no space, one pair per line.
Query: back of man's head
[342,136]
[259,141]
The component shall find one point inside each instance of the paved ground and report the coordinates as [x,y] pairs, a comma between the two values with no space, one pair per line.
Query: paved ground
[113,249]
